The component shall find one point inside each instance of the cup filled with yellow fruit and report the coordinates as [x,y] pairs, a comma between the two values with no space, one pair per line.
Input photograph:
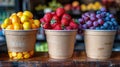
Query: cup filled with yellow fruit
[20,30]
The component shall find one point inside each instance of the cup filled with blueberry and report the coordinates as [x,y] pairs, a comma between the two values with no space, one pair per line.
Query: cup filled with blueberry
[99,32]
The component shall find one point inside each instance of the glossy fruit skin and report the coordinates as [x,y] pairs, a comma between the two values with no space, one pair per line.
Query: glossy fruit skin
[67,16]
[58,20]
[26,26]
[21,21]
[58,27]
[15,19]
[47,17]
[24,18]
[37,23]
[19,14]
[65,22]
[73,25]
[60,11]
[47,26]
[99,20]
[28,14]
[17,26]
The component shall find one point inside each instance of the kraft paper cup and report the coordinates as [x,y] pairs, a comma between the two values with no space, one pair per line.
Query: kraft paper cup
[60,43]
[20,43]
[99,43]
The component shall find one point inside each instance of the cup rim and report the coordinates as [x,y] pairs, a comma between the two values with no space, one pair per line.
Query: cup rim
[99,30]
[59,30]
[19,30]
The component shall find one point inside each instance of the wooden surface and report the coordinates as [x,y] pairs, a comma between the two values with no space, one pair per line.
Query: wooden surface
[79,59]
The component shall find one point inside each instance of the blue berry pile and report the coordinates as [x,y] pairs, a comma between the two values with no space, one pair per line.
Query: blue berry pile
[99,20]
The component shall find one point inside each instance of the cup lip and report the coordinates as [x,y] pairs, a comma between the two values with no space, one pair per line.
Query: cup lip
[59,30]
[99,30]
[19,30]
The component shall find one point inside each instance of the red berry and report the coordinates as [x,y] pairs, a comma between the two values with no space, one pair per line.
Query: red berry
[54,24]
[74,25]
[42,20]
[58,27]
[64,22]
[46,26]
[48,17]
[68,28]
[67,16]
[55,17]
[60,11]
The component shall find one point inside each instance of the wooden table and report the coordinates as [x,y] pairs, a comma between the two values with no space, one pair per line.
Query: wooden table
[79,59]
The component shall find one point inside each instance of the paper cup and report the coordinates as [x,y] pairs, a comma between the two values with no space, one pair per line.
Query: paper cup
[20,43]
[99,43]
[60,43]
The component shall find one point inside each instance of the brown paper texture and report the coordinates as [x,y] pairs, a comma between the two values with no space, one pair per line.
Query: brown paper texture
[20,41]
[60,43]
[98,44]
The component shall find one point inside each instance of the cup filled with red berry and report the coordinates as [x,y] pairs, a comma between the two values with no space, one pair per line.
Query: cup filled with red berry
[99,32]
[60,30]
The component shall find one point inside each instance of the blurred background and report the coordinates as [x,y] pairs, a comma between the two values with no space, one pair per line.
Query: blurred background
[74,7]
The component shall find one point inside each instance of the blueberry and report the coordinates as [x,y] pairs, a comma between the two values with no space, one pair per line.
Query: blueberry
[107,18]
[103,14]
[113,28]
[105,25]
[103,9]
[111,16]
[107,14]
[113,19]
[110,23]
[102,27]
[97,28]
[98,12]
[115,23]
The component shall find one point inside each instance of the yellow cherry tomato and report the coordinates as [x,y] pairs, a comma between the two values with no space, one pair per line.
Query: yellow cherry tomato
[10,27]
[17,26]
[37,23]
[3,25]
[7,21]
[28,13]
[27,55]
[19,14]
[19,55]
[15,19]
[26,25]
[34,26]
[24,18]
[14,54]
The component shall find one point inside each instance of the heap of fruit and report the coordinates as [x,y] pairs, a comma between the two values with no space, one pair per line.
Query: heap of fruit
[21,55]
[101,20]
[91,6]
[20,21]
[58,20]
